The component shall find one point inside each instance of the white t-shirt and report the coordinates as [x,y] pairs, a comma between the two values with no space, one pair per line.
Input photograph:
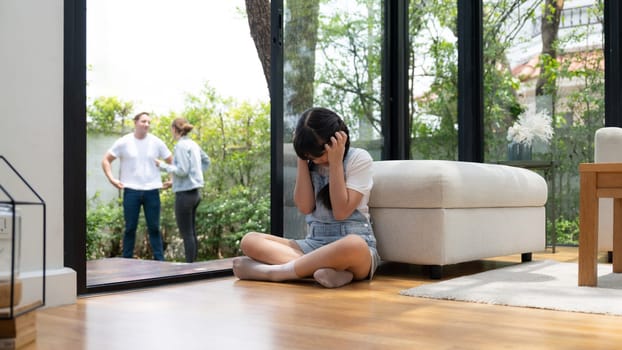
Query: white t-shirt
[359,176]
[138,170]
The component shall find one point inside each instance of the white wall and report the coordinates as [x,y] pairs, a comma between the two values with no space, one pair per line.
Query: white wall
[31,121]
[96,181]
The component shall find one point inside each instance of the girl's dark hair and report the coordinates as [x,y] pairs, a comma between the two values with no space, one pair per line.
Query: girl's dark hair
[314,129]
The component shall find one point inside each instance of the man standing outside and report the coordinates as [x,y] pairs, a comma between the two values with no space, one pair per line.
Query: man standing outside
[140,181]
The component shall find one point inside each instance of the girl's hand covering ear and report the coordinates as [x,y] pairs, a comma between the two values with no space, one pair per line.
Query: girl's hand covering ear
[336,148]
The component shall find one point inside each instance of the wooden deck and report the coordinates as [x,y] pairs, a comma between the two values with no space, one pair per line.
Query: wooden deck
[226,313]
[117,270]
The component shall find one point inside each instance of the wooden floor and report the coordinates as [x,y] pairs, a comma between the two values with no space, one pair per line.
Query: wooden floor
[226,313]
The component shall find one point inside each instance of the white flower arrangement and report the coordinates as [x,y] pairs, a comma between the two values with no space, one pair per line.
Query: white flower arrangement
[531,126]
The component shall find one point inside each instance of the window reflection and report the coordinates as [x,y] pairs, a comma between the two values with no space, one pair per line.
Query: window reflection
[433,79]
[540,59]
[332,58]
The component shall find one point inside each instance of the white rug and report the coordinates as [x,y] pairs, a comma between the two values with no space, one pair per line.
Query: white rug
[541,284]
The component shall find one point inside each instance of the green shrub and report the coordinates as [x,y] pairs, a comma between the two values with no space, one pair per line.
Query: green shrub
[104,229]
[567,231]
[223,218]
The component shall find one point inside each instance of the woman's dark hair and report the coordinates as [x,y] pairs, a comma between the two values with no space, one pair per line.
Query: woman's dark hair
[182,126]
[314,129]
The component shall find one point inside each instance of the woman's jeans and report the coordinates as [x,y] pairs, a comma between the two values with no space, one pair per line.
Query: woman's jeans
[150,201]
[186,203]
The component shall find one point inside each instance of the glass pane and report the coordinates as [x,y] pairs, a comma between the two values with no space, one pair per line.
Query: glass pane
[332,58]
[172,60]
[544,95]
[433,79]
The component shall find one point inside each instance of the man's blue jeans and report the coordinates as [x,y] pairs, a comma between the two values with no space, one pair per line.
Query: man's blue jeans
[150,201]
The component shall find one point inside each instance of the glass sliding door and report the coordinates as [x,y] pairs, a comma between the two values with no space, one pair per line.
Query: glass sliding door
[171,60]
[331,58]
[544,94]
[433,79]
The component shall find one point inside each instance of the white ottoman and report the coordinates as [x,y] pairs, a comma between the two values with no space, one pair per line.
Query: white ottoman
[437,212]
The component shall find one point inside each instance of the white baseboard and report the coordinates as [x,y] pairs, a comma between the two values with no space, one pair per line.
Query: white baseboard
[60,286]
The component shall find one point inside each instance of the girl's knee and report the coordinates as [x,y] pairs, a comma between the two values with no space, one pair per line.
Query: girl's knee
[355,240]
[249,241]
[354,244]
[357,251]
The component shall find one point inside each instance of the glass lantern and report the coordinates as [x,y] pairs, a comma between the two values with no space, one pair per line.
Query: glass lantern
[22,252]
[10,250]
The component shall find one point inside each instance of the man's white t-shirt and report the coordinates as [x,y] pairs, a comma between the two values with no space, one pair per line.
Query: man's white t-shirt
[137,157]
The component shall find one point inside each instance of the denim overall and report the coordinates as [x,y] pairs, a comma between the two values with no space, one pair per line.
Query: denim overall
[322,228]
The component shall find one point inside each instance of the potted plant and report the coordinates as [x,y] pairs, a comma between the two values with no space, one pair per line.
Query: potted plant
[530,126]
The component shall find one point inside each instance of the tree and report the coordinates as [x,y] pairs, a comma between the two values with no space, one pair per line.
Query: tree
[258,13]
[549,28]
[108,114]
[300,36]
[348,75]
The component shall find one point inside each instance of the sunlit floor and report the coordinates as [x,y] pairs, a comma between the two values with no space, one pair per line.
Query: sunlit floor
[230,314]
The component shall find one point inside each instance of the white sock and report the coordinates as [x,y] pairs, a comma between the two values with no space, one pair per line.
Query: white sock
[246,268]
[331,278]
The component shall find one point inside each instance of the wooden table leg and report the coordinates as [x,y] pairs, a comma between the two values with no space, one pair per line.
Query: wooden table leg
[588,230]
[617,235]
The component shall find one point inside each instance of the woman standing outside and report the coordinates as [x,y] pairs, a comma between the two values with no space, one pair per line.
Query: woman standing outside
[333,183]
[189,163]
